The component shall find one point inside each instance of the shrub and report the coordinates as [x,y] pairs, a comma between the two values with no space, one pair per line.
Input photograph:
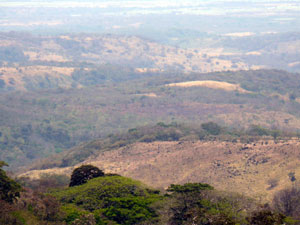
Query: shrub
[257,130]
[43,207]
[189,187]
[266,217]
[9,189]
[287,201]
[45,182]
[72,213]
[199,204]
[211,128]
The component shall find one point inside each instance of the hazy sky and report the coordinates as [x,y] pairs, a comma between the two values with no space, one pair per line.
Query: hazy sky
[107,15]
[166,6]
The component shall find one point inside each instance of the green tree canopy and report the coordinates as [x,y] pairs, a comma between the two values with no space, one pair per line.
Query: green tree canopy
[189,187]
[84,173]
[9,189]
[212,128]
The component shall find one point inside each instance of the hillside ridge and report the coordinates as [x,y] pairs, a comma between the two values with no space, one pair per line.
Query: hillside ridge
[258,169]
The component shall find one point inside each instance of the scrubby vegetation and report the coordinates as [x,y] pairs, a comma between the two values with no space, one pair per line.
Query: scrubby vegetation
[9,189]
[113,199]
[199,204]
[45,182]
[34,125]
[20,206]
[287,200]
[162,132]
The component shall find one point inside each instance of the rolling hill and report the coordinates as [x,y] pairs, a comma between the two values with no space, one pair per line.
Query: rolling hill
[258,169]
[29,62]
[41,123]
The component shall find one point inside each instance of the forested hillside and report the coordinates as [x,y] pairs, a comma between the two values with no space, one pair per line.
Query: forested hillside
[38,124]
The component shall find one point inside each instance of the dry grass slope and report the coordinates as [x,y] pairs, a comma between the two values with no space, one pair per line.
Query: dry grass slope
[210,84]
[258,169]
[138,53]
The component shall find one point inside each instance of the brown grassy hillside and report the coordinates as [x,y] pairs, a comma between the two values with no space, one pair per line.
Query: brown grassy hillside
[258,169]
[53,59]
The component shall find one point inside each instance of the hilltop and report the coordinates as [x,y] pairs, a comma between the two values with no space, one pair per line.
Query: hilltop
[253,163]
[259,169]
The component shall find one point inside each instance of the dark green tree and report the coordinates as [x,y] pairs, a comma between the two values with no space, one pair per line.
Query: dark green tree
[257,130]
[84,173]
[9,189]
[189,187]
[211,128]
